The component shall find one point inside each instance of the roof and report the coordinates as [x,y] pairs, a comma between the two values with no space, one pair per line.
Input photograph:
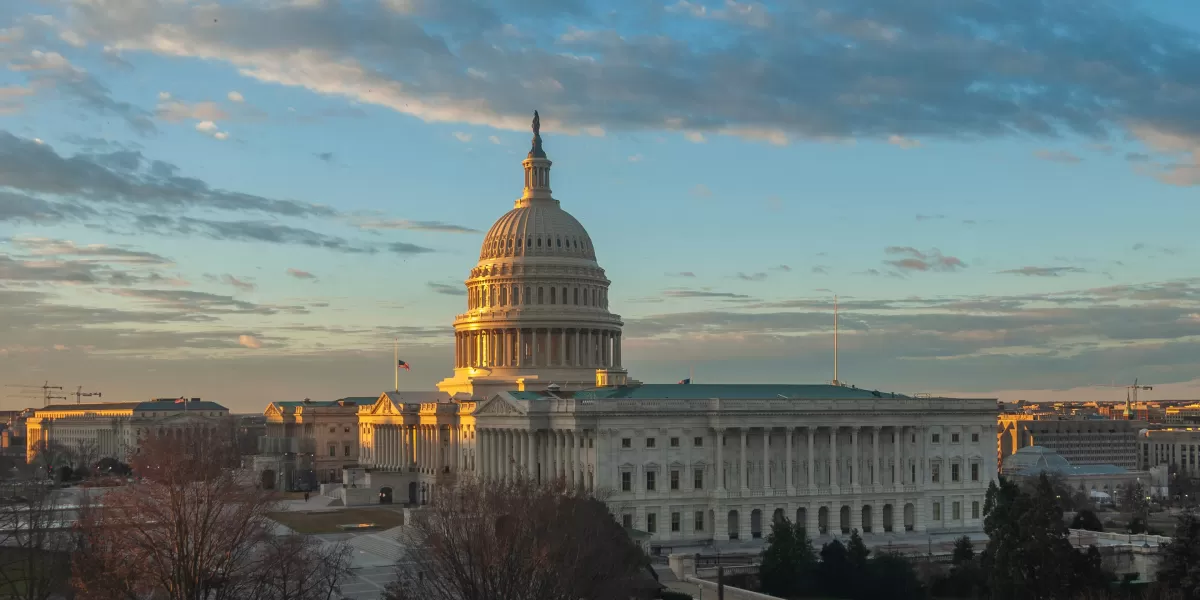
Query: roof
[180,406]
[704,391]
[420,397]
[359,400]
[91,406]
[349,400]
[1034,460]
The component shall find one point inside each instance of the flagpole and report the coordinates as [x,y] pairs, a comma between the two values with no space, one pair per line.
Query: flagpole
[691,374]
[396,360]
[835,340]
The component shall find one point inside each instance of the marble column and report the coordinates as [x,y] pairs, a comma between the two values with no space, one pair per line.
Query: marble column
[812,476]
[578,346]
[720,470]
[787,465]
[835,476]
[562,347]
[766,468]
[617,350]
[856,463]
[743,484]
[530,454]
[876,476]
[901,467]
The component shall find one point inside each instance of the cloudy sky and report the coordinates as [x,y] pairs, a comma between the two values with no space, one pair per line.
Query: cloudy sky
[247,201]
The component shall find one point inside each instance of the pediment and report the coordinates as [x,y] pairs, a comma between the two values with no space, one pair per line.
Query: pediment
[384,406]
[676,465]
[184,418]
[273,411]
[498,406]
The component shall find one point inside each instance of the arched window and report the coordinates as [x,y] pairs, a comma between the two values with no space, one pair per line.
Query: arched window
[503,296]
[558,242]
[577,296]
[527,295]
[552,294]
[540,298]
[564,295]
[539,242]
[516,295]
[528,242]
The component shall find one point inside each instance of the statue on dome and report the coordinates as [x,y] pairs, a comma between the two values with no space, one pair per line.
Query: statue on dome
[536,151]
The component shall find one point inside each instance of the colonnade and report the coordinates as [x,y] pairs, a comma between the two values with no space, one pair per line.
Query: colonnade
[542,454]
[422,448]
[539,347]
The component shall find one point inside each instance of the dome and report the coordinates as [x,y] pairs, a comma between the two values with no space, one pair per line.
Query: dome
[541,229]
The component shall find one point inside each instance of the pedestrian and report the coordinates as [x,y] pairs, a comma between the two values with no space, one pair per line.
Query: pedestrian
[306,496]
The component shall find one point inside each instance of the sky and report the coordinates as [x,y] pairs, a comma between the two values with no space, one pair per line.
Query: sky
[248,201]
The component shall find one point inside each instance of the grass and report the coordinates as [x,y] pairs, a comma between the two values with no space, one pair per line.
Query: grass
[328,521]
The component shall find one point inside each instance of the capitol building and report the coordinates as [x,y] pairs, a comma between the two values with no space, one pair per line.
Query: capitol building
[540,389]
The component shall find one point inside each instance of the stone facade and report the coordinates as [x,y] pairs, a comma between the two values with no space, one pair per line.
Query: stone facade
[1080,441]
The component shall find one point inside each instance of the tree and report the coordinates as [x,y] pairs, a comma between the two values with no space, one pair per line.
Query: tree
[1086,519]
[964,551]
[35,549]
[890,576]
[195,527]
[834,573]
[789,562]
[1180,566]
[1134,500]
[520,540]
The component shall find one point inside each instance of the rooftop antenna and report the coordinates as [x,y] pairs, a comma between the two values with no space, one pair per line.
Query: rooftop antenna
[835,341]
[80,394]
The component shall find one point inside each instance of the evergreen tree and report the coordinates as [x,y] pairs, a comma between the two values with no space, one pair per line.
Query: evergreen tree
[857,553]
[834,574]
[890,576]
[964,551]
[1086,519]
[777,575]
[1002,508]
[1180,567]
[1047,560]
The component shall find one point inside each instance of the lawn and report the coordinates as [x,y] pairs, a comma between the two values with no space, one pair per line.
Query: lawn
[328,521]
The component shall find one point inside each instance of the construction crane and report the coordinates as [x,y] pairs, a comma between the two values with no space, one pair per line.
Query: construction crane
[80,394]
[1131,394]
[47,391]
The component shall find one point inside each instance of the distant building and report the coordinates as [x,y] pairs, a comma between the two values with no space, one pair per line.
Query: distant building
[1175,446]
[113,429]
[1100,482]
[1091,441]
[308,442]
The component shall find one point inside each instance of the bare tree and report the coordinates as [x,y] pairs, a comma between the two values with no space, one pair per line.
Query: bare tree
[36,542]
[296,567]
[520,540]
[84,453]
[193,527]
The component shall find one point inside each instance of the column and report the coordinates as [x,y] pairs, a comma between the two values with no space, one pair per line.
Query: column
[812,476]
[856,465]
[562,347]
[720,470]
[578,346]
[530,455]
[876,476]
[617,349]
[766,439]
[787,464]
[741,470]
[834,476]
[569,440]
[901,468]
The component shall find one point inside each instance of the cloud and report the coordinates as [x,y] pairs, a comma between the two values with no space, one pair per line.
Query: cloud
[176,111]
[49,271]
[462,137]
[99,253]
[704,293]
[434,226]
[820,70]
[681,274]
[930,217]
[751,276]
[635,158]
[447,289]
[406,248]
[248,231]
[1058,156]
[1043,271]
[916,260]
[123,178]
[241,284]
[324,156]
[1137,157]
[493,139]
[298,274]
[249,341]
[12,99]
[204,303]
[903,142]
[235,97]
[820,270]
[53,72]
[701,191]
[210,129]
[782,268]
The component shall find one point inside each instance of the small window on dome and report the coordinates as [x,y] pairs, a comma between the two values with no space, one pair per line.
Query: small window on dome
[539,242]
[558,241]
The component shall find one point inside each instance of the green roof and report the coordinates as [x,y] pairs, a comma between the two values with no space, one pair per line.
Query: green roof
[704,391]
[360,400]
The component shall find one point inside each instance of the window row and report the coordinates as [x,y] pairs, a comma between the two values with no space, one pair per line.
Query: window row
[673,481]
[697,442]
[503,295]
[955,510]
[954,438]
[676,522]
[935,472]
[533,242]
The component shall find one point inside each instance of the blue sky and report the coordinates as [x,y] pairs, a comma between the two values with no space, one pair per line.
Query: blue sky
[247,201]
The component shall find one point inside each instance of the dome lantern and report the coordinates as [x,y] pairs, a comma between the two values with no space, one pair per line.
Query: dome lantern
[537,168]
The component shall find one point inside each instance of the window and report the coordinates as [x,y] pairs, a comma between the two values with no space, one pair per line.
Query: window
[347,430]
[576,295]
[332,450]
[540,298]
[333,430]
[956,511]
[552,295]
[651,523]
[937,511]
[699,520]
[674,479]
[626,443]
[698,442]
[650,442]
[937,438]
[974,471]
[676,522]
[954,438]
[953,472]
[935,472]
[626,481]
[591,443]
[650,481]
[974,437]
[627,521]
[698,479]
[975,510]
[675,442]
[346,449]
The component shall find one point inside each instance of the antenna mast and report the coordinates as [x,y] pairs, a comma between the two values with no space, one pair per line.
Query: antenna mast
[835,341]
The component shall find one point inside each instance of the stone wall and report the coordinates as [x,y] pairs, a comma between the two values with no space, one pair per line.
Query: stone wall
[708,591]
